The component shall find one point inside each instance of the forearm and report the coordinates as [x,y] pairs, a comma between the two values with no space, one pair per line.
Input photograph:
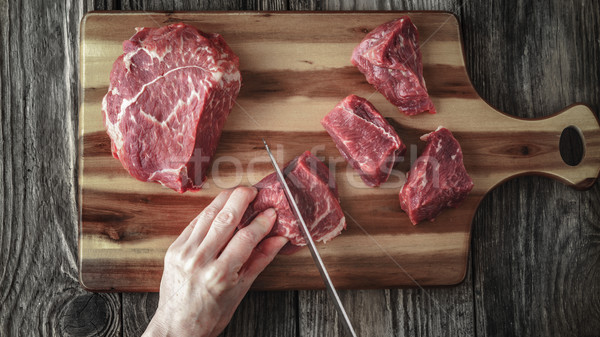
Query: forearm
[165,327]
[155,330]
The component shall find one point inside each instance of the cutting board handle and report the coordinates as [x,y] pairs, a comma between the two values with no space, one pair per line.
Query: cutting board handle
[533,146]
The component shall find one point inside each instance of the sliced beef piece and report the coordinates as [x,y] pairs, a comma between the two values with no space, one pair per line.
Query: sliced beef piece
[437,180]
[390,58]
[169,96]
[365,139]
[316,195]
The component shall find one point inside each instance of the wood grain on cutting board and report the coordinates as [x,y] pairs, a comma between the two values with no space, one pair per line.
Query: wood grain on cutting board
[295,68]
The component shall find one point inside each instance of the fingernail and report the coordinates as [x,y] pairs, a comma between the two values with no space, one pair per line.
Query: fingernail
[270,212]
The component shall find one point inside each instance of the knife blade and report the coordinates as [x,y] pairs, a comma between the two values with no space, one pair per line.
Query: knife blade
[311,245]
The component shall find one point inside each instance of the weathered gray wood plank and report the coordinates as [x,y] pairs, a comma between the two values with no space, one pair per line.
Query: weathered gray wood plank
[434,311]
[370,311]
[535,242]
[265,314]
[392,312]
[183,5]
[261,314]
[304,5]
[138,309]
[39,291]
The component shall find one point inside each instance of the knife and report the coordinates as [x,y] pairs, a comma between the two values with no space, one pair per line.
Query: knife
[311,245]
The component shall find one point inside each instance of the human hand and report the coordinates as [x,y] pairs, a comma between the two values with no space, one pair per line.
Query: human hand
[210,267]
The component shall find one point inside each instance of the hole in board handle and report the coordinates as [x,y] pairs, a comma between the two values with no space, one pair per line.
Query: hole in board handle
[571,145]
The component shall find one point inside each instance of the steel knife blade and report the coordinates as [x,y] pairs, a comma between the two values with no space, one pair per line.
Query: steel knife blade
[311,245]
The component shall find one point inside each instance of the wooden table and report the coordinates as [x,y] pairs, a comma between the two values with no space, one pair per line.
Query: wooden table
[535,257]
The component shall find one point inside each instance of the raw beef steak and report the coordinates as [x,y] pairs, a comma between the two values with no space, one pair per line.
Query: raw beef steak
[390,58]
[316,195]
[365,139]
[169,96]
[437,180]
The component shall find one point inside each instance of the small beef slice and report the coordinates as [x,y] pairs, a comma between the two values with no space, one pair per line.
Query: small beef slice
[169,96]
[437,180]
[390,58]
[365,139]
[316,195]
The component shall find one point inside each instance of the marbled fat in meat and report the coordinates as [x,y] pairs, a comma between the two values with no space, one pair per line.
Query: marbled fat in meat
[169,96]
[390,58]
[315,193]
[364,138]
[437,180]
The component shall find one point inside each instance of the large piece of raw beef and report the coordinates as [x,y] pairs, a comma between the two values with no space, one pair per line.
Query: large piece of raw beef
[390,58]
[437,180]
[170,94]
[315,193]
[364,138]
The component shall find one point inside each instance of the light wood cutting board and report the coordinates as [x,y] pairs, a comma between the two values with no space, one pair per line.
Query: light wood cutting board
[295,68]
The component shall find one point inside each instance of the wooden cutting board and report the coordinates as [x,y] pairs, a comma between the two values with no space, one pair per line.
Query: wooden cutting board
[295,68]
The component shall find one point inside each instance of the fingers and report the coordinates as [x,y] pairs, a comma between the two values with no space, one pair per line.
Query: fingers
[226,221]
[242,244]
[201,223]
[262,255]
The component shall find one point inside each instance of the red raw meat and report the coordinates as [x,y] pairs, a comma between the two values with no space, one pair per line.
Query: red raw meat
[316,195]
[170,94]
[365,139]
[390,58]
[437,180]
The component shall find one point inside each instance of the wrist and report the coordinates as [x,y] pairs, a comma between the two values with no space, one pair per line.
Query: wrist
[155,329]
[161,326]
